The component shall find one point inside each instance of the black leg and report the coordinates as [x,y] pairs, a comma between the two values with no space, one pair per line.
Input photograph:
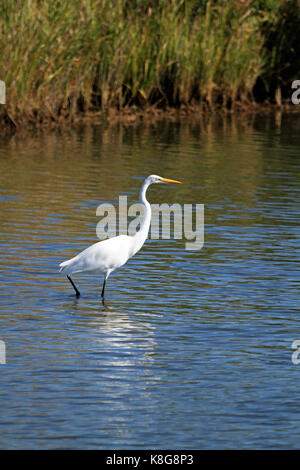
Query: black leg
[75,288]
[103,289]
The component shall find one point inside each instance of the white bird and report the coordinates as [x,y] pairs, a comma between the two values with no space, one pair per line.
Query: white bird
[107,255]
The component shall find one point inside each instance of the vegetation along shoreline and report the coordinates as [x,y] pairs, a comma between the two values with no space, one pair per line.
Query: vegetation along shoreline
[130,59]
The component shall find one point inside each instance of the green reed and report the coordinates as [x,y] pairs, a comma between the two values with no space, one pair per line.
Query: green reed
[59,58]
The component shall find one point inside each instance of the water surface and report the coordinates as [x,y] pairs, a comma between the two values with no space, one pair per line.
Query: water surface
[193,348]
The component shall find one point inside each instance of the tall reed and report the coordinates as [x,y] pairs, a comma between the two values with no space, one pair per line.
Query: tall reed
[62,58]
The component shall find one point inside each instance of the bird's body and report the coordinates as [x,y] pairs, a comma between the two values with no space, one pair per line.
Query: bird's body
[105,256]
[100,257]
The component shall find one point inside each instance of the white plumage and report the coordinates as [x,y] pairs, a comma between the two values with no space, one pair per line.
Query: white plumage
[99,258]
[107,255]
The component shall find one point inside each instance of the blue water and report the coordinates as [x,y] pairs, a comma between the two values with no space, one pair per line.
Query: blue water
[193,349]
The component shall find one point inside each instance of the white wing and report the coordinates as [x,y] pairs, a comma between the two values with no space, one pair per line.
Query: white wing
[103,256]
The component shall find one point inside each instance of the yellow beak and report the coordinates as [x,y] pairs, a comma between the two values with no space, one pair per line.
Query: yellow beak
[166,180]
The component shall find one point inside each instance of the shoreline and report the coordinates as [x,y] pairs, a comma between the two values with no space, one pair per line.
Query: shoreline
[147,114]
[131,60]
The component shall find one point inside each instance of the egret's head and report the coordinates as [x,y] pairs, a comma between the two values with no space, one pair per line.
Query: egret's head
[158,179]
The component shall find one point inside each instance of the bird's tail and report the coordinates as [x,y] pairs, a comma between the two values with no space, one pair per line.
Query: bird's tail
[65,264]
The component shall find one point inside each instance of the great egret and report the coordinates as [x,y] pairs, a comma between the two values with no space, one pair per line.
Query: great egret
[107,255]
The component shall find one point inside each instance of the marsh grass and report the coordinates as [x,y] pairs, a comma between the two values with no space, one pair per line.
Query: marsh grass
[59,59]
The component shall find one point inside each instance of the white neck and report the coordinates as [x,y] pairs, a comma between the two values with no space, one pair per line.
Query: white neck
[140,237]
